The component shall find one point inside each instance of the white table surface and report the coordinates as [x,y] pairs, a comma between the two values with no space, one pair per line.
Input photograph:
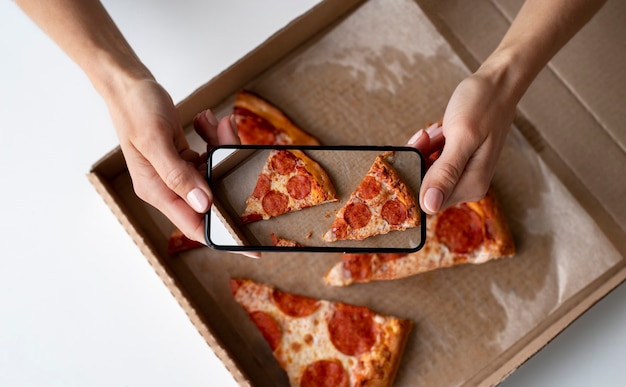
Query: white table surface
[79,304]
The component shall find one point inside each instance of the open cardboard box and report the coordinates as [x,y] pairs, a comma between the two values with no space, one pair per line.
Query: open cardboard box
[372,72]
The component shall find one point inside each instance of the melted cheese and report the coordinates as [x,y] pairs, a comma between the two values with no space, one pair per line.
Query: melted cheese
[307,339]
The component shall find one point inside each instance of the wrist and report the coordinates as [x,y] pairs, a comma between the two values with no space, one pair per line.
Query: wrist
[509,72]
[116,72]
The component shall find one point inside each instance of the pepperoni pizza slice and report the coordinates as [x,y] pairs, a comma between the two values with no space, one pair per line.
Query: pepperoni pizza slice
[289,181]
[473,232]
[260,122]
[283,242]
[381,203]
[323,343]
[178,242]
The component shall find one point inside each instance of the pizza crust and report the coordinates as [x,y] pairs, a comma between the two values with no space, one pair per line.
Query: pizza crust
[497,243]
[272,195]
[390,188]
[307,339]
[283,130]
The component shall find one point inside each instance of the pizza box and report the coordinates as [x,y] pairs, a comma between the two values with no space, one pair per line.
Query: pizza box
[371,73]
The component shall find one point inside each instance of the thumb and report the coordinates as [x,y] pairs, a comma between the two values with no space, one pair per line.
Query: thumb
[185,180]
[443,176]
[181,176]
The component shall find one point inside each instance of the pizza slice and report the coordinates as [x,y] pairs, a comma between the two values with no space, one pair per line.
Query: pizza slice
[324,343]
[283,242]
[260,122]
[381,203]
[178,242]
[289,181]
[473,232]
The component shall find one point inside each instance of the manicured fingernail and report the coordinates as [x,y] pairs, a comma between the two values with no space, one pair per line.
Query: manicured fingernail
[233,124]
[416,136]
[434,131]
[433,198]
[210,117]
[198,200]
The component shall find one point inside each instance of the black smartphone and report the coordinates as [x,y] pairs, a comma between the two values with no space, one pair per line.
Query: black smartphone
[248,184]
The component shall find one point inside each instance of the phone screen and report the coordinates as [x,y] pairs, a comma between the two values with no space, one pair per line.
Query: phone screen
[269,198]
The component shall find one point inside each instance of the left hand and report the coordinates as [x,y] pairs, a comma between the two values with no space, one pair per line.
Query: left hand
[163,168]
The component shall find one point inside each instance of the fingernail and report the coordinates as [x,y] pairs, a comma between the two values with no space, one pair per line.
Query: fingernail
[434,131]
[198,200]
[233,124]
[210,117]
[433,199]
[416,136]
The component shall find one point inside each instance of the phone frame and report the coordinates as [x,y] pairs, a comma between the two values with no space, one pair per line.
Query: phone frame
[321,249]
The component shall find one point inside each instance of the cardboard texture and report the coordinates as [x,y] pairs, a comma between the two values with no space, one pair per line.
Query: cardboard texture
[372,73]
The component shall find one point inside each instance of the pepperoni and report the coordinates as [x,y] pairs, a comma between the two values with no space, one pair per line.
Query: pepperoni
[325,373]
[460,228]
[394,212]
[283,162]
[352,329]
[262,186]
[254,129]
[269,327]
[358,265]
[299,186]
[368,189]
[275,203]
[294,305]
[357,215]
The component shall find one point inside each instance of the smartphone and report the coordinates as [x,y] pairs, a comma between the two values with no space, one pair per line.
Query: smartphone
[233,173]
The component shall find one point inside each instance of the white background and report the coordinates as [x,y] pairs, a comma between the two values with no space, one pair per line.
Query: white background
[79,304]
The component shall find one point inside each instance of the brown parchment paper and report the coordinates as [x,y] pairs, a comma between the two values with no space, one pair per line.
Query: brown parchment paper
[375,78]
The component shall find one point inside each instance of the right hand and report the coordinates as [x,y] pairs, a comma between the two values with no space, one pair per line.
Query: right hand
[473,131]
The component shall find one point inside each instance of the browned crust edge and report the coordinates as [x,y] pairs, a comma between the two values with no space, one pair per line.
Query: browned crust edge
[395,345]
[321,181]
[258,105]
[501,244]
[384,171]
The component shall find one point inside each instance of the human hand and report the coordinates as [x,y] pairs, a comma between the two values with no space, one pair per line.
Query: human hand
[471,136]
[162,166]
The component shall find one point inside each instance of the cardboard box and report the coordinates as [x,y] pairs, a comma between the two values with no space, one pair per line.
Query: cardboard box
[372,72]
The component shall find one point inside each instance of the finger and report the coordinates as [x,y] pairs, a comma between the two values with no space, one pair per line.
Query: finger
[475,180]
[205,124]
[227,131]
[179,176]
[428,140]
[150,188]
[444,174]
[420,141]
